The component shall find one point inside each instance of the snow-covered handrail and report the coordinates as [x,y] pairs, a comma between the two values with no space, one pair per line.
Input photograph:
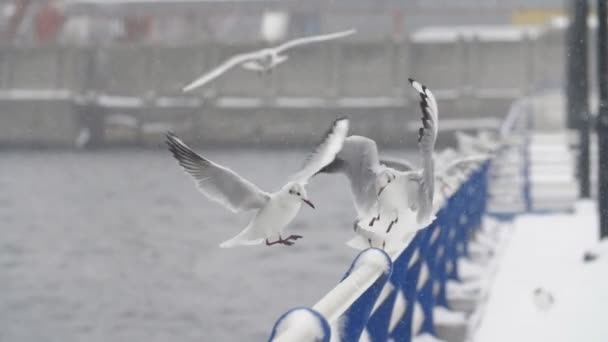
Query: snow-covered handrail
[518,111]
[384,296]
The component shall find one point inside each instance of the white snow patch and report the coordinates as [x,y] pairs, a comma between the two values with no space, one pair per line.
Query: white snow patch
[373,257]
[469,270]
[426,338]
[445,316]
[546,252]
[299,325]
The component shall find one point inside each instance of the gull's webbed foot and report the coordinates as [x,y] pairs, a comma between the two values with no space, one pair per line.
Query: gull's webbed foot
[286,242]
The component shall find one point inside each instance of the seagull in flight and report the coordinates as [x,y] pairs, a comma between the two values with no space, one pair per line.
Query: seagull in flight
[262,60]
[273,210]
[379,189]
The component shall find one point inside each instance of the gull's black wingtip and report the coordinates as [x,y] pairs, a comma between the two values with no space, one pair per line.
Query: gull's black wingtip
[172,141]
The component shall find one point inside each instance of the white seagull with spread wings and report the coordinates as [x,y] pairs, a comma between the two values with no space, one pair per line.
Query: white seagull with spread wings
[378,189]
[262,60]
[274,210]
[414,188]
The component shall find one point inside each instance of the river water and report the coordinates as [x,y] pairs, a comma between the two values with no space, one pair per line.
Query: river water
[120,246]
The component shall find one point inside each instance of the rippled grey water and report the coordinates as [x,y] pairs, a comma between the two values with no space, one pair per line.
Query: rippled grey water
[119,246]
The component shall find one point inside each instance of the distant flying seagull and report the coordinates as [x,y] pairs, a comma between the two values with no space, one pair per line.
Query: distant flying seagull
[262,60]
[274,210]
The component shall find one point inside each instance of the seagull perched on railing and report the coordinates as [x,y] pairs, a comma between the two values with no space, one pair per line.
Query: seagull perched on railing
[380,190]
[414,188]
[262,60]
[274,210]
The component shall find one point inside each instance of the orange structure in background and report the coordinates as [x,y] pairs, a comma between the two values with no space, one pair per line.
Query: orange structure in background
[48,23]
[137,28]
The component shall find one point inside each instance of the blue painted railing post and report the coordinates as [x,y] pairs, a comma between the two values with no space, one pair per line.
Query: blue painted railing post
[378,324]
[410,259]
[425,294]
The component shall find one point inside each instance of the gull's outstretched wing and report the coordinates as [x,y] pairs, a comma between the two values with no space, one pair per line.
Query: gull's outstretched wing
[430,119]
[312,39]
[358,161]
[427,137]
[325,152]
[398,164]
[219,183]
[222,68]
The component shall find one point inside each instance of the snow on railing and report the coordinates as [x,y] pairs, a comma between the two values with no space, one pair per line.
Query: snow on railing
[383,296]
[394,297]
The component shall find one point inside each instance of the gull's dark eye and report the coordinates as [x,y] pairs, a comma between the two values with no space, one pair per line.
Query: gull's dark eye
[291,191]
[298,194]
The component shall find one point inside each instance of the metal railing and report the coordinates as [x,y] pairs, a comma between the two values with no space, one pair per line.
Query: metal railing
[380,294]
[394,296]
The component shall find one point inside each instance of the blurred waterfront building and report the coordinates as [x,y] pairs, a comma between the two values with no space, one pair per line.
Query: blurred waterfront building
[183,22]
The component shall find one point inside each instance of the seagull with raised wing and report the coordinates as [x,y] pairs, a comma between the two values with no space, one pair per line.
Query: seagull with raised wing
[379,189]
[414,188]
[273,210]
[262,60]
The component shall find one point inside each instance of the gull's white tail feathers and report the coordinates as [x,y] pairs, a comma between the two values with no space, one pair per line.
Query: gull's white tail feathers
[244,238]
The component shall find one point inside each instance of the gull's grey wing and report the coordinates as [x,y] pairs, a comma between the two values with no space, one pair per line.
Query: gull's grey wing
[219,183]
[426,141]
[418,191]
[325,152]
[397,164]
[312,39]
[358,161]
[222,68]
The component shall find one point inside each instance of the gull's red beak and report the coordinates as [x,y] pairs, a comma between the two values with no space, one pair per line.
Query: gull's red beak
[308,202]
[382,189]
